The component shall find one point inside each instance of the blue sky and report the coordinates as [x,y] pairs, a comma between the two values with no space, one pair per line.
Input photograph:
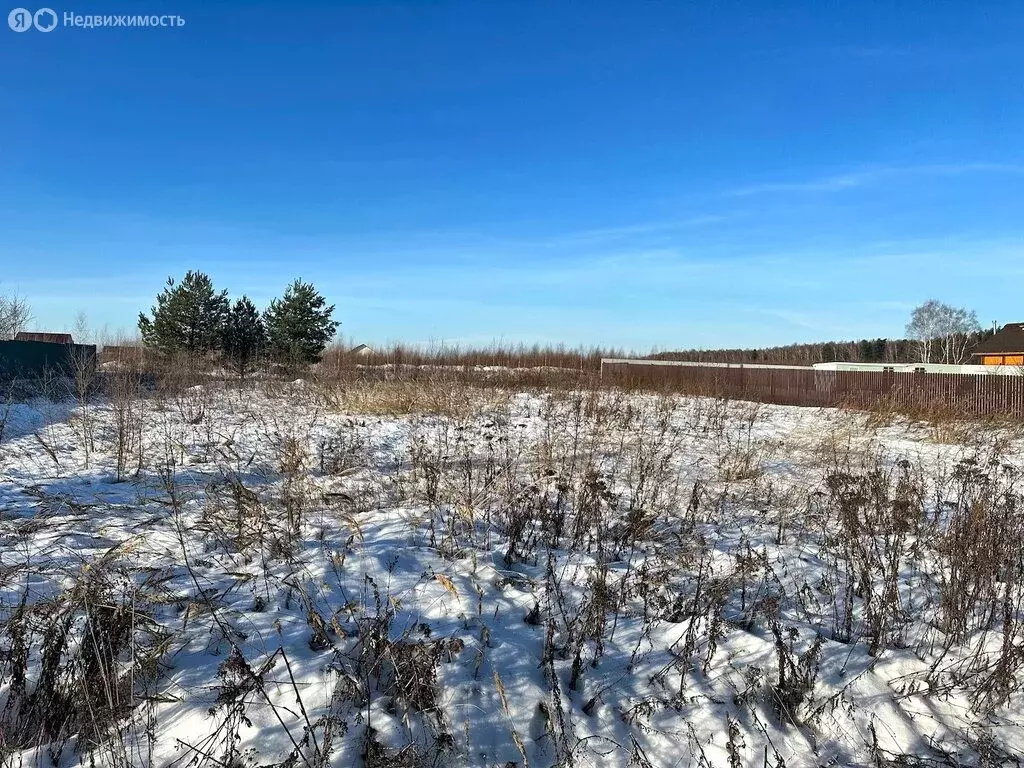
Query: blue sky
[642,175]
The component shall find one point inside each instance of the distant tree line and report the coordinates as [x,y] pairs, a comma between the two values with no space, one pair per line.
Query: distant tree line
[193,319]
[936,333]
[862,351]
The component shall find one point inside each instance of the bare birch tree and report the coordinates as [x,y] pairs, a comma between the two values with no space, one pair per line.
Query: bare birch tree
[15,314]
[941,333]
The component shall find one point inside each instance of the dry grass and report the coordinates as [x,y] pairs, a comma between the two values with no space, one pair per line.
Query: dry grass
[627,509]
[454,356]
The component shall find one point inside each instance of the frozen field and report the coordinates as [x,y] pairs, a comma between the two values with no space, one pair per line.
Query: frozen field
[405,576]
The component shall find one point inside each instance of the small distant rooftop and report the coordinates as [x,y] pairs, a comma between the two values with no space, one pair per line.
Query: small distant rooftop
[362,350]
[49,338]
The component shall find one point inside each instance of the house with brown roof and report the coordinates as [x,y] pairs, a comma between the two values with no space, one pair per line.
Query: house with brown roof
[49,338]
[1005,347]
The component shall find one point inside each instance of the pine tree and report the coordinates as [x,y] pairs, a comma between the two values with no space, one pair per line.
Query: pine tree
[299,325]
[880,347]
[245,338]
[864,351]
[187,318]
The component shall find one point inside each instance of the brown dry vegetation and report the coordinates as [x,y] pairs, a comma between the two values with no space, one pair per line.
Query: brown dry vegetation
[612,478]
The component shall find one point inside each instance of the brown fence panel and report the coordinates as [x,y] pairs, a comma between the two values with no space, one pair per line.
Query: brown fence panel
[963,393]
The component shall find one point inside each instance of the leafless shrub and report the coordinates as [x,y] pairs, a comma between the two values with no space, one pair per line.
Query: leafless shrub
[741,455]
[6,408]
[83,368]
[797,673]
[981,563]
[878,512]
[235,513]
[124,390]
[344,450]
[293,459]
[15,314]
[407,670]
[89,653]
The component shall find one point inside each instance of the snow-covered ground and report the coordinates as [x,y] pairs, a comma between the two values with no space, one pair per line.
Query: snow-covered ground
[228,577]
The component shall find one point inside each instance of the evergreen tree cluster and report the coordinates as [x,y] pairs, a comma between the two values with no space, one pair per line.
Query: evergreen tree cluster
[192,318]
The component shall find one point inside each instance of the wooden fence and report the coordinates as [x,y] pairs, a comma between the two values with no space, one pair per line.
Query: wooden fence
[964,394]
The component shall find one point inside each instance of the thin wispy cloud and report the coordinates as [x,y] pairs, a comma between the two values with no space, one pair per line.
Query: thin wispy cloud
[867,177]
[665,226]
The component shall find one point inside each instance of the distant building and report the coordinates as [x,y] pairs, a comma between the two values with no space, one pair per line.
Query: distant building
[361,351]
[48,338]
[1006,347]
